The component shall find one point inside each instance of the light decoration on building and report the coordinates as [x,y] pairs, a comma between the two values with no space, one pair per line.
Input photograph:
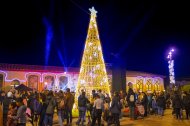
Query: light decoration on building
[93,75]
[171,67]
[41,78]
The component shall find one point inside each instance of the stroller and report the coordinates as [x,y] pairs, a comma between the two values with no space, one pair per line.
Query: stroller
[140,111]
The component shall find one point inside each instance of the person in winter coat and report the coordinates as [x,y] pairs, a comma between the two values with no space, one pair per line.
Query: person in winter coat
[161,102]
[6,102]
[82,103]
[131,103]
[154,105]
[116,108]
[186,104]
[60,107]
[144,102]
[149,97]
[177,105]
[37,106]
[69,102]
[51,103]
[43,111]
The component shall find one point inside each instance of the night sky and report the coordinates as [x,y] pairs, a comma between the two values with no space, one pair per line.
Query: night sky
[137,33]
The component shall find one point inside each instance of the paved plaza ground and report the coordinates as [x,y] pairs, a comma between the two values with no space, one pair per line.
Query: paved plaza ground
[152,120]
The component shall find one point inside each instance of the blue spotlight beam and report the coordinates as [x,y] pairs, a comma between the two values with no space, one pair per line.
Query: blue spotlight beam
[62,60]
[49,37]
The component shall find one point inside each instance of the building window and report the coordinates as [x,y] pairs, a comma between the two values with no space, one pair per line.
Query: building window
[63,83]
[157,85]
[149,84]
[139,84]
[49,82]
[33,81]
[1,80]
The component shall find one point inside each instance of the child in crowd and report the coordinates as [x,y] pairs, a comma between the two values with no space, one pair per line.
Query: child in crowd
[106,110]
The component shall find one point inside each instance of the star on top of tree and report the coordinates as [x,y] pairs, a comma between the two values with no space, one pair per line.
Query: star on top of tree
[93,11]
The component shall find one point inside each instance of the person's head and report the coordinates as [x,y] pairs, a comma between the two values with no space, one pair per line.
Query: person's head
[83,93]
[60,95]
[19,101]
[60,92]
[2,93]
[43,97]
[144,94]
[12,105]
[50,93]
[162,93]
[93,91]
[99,90]
[68,90]
[97,96]
[116,94]
[37,97]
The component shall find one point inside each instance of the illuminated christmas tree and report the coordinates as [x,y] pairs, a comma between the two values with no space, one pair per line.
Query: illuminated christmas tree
[92,74]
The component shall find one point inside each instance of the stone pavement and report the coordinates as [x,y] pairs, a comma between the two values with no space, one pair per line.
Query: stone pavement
[152,120]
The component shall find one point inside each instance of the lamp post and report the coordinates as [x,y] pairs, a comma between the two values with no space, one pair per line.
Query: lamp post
[171,68]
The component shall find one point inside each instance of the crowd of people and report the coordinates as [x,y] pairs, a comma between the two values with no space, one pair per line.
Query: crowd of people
[39,107]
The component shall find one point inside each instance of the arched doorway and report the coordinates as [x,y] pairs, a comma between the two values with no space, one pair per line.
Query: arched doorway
[157,85]
[139,85]
[33,81]
[49,82]
[63,83]
[149,85]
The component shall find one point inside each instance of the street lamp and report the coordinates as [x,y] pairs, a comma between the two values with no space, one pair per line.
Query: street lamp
[171,68]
